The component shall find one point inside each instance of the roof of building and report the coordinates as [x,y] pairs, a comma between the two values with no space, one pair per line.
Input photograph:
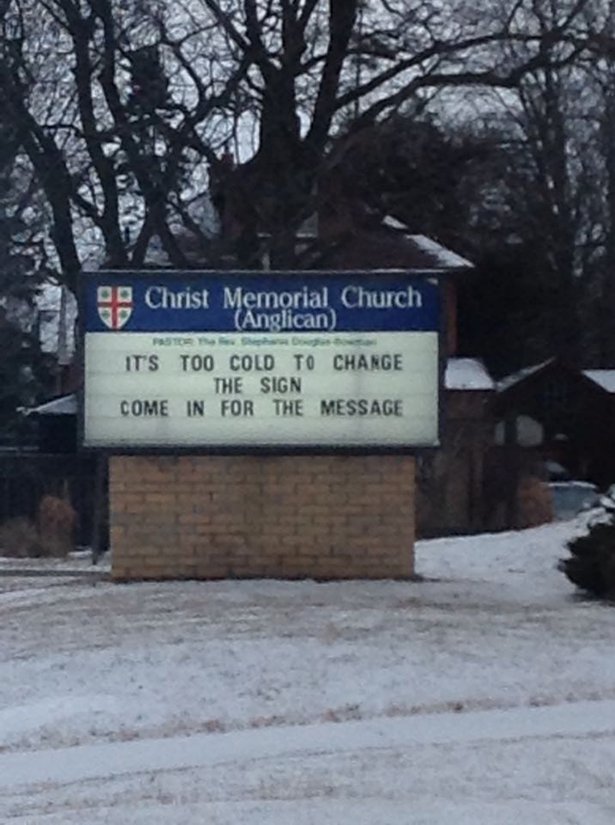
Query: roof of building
[604,378]
[64,405]
[467,374]
[440,256]
[385,245]
[515,377]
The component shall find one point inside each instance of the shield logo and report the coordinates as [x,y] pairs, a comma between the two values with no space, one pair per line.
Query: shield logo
[114,304]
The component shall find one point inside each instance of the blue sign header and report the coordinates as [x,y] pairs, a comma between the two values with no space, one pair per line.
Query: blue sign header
[267,302]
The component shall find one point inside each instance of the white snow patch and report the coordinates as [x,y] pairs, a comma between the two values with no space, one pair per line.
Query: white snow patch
[604,378]
[445,257]
[65,405]
[515,377]
[442,255]
[467,374]
[115,759]
[484,694]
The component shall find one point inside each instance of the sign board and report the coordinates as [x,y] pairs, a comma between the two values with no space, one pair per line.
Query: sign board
[224,360]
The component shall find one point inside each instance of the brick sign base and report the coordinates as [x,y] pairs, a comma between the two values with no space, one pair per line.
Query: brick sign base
[206,517]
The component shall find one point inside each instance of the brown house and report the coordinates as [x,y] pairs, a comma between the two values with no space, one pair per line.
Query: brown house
[451,480]
[552,415]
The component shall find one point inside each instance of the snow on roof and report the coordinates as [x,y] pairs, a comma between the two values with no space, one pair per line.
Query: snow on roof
[604,378]
[65,405]
[467,374]
[514,378]
[393,223]
[444,257]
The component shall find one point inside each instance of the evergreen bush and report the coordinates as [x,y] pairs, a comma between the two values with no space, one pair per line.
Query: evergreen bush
[591,565]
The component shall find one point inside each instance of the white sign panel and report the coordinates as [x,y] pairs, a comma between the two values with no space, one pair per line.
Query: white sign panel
[224,361]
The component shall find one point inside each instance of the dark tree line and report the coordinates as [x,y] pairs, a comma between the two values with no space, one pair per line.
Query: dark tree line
[24,369]
[186,132]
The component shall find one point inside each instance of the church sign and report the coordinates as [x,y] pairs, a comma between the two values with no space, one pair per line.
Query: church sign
[260,361]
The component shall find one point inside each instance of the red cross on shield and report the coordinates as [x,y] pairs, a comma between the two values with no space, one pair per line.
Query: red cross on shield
[114,305]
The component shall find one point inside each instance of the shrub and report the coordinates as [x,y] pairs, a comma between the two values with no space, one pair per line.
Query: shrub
[19,538]
[52,535]
[56,522]
[591,566]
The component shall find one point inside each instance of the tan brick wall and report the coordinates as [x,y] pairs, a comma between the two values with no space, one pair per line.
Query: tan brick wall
[324,517]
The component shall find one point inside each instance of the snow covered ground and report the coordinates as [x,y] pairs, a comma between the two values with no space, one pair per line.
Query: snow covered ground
[485,694]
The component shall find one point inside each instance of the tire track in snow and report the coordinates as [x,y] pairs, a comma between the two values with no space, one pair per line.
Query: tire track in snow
[86,762]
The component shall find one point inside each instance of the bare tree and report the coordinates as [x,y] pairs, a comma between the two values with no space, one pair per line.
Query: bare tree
[86,89]
[122,105]
[321,72]
[603,74]
[541,201]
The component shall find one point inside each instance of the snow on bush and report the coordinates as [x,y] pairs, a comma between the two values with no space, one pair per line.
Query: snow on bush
[591,565]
